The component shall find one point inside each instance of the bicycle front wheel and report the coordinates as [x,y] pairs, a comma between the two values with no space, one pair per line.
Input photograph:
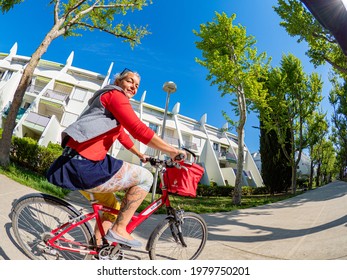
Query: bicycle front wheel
[166,244]
[34,217]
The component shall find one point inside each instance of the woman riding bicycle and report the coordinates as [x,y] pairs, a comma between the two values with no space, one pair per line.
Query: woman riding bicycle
[85,164]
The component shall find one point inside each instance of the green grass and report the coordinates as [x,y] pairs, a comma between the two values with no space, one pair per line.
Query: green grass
[32,180]
[197,205]
[217,204]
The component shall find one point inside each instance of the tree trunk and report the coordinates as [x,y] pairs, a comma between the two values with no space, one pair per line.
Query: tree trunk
[10,123]
[240,155]
[310,184]
[293,179]
[318,175]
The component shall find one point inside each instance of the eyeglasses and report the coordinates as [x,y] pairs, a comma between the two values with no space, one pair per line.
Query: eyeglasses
[126,70]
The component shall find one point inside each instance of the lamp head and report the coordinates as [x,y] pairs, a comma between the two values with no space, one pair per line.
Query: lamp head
[169,87]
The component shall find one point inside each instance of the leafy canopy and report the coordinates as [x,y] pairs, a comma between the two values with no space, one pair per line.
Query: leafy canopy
[322,46]
[231,58]
[74,16]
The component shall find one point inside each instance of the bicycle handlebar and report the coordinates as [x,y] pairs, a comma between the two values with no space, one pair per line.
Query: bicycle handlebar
[169,162]
[164,162]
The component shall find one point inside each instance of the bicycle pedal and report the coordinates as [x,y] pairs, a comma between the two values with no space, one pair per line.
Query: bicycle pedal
[111,253]
[124,247]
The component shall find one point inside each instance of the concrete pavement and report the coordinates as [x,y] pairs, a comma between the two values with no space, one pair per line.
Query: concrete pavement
[311,226]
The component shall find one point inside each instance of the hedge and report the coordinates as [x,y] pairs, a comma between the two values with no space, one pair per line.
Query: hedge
[214,190]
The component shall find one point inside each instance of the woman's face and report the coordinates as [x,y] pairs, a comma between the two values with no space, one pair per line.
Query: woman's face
[130,84]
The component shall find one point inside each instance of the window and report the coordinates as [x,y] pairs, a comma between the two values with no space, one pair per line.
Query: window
[186,138]
[2,73]
[79,94]
[26,105]
[40,83]
[62,88]
[215,146]
[154,127]
[7,75]
[169,133]
[223,150]
[197,141]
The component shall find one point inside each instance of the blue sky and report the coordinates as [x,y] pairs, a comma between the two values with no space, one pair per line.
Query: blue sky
[168,54]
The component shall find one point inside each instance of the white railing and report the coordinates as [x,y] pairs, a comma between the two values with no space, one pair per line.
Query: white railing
[56,95]
[37,119]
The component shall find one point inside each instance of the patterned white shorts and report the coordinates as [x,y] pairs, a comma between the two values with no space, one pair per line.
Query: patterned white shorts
[129,175]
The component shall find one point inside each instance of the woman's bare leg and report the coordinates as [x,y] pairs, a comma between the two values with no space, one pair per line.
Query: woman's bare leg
[106,224]
[131,201]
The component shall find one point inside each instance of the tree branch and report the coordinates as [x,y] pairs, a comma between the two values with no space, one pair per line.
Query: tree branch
[321,36]
[105,30]
[56,13]
[339,68]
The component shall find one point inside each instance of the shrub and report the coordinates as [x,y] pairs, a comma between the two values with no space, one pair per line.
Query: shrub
[260,190]
[27,153]
[214,190]
[24,151]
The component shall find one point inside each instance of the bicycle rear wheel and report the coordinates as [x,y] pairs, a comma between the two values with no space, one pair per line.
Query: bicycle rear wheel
[34,216]
[165,244]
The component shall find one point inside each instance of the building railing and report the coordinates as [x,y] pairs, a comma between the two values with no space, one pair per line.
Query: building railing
[20,113]
[171,140]
[226,156]
[151,152]
[60,96]
[37,119]
[34,89]
[190,145]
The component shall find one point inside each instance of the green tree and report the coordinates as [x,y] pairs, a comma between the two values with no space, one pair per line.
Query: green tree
[70,18]
[317,131]
[322,46]
[235,67]
[324,155]
[293,99]
[338,99]
[275,168]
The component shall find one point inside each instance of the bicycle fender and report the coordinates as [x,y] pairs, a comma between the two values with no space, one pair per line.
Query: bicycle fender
[155,231]
[45,196]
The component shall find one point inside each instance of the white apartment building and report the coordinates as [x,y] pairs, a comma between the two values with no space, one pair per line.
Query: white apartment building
[58,93]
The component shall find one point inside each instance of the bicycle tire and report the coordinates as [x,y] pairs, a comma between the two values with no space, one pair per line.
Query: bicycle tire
[165,245]
[34,216]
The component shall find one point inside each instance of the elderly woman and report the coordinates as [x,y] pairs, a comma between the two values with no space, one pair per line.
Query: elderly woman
[85,164]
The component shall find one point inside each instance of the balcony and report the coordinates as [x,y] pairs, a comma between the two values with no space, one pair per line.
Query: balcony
[34,89]
[61,97]
[226,156]
[190,145]
[20,113]
[171,140]
[36,121]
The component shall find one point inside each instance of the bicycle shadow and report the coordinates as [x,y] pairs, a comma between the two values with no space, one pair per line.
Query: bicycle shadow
[8,227]
[3,255]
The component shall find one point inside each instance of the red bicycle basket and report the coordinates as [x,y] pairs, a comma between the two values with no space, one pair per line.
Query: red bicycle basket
[183,181]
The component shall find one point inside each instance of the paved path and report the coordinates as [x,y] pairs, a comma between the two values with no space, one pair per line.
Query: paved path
[311,226]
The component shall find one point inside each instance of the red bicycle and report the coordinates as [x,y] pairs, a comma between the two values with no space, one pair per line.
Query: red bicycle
[47,227]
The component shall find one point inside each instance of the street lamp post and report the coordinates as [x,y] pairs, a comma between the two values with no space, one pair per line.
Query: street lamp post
[168,87]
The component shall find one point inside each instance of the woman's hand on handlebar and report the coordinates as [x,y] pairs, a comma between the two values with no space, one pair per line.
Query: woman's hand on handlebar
[178,155]
[144,158]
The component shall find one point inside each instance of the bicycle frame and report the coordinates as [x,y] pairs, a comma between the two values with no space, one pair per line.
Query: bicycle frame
[135,221]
